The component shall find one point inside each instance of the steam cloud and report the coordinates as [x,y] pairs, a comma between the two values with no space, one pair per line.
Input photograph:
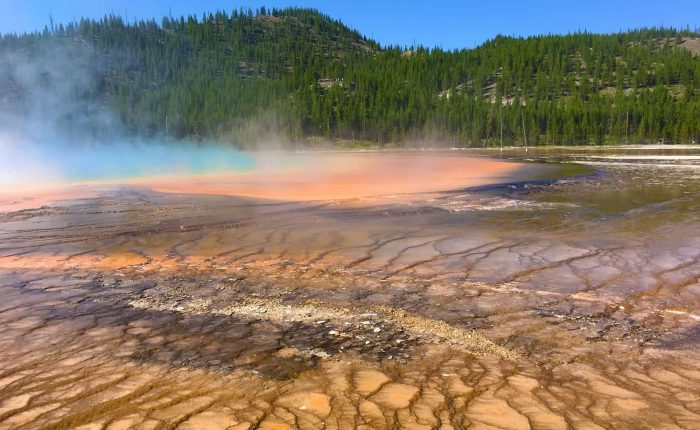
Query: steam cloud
[54,127]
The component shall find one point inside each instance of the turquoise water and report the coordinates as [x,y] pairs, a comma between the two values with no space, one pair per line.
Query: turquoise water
[122,161]
[22,163]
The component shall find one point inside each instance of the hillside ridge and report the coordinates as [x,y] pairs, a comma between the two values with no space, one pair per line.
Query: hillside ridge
[296,74]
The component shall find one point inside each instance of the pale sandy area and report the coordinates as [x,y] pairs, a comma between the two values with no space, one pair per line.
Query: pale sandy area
[17,198]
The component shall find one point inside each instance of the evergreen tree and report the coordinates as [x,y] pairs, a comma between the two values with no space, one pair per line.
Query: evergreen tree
[295,72]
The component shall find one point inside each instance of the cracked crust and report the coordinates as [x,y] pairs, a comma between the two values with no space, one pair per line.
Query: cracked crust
[148,310]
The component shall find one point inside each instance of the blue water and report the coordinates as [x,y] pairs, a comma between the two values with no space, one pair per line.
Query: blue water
[115,161]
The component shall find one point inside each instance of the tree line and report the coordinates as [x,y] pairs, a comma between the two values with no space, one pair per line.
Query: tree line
[244,75]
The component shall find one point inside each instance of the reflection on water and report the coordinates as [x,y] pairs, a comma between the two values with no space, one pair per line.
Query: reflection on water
[627,179]
[566,301]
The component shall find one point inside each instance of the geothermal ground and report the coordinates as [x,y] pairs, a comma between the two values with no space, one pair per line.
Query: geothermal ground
[485,294]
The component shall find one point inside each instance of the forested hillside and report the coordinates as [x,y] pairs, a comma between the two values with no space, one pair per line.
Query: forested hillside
[243,76]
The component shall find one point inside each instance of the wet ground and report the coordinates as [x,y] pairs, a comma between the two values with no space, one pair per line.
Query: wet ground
[571,300]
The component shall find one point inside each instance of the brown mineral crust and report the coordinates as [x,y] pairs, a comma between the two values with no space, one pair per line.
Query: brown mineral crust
[454,310]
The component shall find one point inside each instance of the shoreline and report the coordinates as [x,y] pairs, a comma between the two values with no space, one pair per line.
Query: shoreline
[305,177]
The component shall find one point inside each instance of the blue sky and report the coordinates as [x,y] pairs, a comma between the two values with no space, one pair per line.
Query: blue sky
[445,23]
